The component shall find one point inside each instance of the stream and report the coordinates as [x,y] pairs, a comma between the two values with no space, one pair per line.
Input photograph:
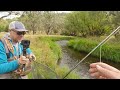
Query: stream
[71,58]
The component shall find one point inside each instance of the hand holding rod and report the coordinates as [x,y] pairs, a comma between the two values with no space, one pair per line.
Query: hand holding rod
[101,43]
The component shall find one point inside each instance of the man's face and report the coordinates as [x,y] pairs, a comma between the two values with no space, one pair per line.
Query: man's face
[17,36]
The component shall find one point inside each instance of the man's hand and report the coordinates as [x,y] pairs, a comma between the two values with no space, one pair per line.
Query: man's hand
[23,60]
[32,57]
[103,71]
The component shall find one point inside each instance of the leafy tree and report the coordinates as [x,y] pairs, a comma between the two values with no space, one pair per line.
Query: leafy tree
[3,25]
[85,23]
[32,20]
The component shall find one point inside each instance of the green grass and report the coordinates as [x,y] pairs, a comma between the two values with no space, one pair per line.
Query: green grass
[48,53]
[110,50]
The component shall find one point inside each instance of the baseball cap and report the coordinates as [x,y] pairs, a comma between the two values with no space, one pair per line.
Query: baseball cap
[18,26]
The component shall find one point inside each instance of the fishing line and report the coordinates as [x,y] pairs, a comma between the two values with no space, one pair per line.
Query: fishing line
[100,53]
[101,43]
[46,68]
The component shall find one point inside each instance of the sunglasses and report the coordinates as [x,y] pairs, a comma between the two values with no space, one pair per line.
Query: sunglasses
[20,33]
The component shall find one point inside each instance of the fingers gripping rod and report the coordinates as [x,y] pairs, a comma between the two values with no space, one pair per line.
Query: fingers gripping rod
[101,43]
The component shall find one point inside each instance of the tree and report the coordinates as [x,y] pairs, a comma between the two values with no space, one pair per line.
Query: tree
[115,21]
[32,20]
[99,23]
[3,25]
[93,23]
[48,22]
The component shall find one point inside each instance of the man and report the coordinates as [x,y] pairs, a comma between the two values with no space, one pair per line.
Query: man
[12,60]
[101,70]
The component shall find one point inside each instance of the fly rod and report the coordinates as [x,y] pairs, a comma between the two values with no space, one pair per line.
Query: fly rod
[115,31]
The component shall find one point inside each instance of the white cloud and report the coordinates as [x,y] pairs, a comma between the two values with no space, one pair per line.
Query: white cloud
[13,16]
[9,17]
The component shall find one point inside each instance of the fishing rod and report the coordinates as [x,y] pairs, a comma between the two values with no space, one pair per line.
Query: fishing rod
[101,43]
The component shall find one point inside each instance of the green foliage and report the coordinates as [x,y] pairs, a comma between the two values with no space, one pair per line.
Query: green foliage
[74,23]
[109,51]
[99,23]
[3,25]
[48,53]
[32,20]
[62,71]
[57,38]
[46,22]
[85,23]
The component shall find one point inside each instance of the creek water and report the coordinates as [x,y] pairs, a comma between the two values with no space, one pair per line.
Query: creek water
[71,57]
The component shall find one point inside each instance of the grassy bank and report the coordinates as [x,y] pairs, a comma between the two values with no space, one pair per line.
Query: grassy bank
[110,50]
[48,53]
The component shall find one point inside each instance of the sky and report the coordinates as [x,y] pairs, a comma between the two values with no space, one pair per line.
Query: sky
[9,17]
[13,16]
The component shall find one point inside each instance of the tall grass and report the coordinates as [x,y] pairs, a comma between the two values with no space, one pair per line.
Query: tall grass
[48,53]
[110,51]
